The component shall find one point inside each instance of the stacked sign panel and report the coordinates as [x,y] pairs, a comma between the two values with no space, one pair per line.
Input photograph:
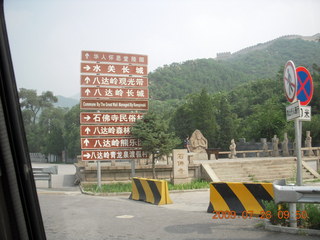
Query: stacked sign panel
[114,95]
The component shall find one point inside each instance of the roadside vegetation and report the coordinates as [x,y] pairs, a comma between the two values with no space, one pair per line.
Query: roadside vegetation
[307,217]
[127,187]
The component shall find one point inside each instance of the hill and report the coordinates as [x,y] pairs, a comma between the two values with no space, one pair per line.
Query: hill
[65,102]
[262,61]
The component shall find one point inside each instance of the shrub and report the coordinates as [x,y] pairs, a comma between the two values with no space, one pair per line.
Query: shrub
[313,220]
[274,209]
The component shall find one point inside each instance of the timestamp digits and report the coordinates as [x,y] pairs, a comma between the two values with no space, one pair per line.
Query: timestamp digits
[231,215]
[283,215]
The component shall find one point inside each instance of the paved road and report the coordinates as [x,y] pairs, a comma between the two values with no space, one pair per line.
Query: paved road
[73,216]
[70,215]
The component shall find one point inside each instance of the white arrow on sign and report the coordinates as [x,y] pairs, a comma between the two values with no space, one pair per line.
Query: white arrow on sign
[87,91]
[87,155]
[86,142]
[87,68]
[87,80]
[87,118]
[87,130]
[87,55]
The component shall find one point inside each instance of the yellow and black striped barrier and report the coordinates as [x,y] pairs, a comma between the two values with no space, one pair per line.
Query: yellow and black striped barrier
[150,190]
[239,197]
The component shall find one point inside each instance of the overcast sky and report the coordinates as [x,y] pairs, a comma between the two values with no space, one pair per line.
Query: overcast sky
[47,36]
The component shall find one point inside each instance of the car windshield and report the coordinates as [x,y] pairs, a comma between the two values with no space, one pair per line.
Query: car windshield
[187,106]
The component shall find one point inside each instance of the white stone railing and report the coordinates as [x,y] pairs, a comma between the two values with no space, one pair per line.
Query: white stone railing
[261,153]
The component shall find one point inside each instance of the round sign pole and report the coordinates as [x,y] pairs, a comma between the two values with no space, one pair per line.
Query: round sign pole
[290,88]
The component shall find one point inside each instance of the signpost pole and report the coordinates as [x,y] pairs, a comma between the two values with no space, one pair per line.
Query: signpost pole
[133,168]
[99,174]
[298,125]
[292,206]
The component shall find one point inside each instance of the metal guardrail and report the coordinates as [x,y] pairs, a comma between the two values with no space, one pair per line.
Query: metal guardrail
[295,194]
[44,174]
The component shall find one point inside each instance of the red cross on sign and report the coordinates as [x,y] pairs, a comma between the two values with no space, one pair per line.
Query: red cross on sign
[304,86]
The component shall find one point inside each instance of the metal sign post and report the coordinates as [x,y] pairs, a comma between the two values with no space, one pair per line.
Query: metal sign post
[133,168]
[298,126]
[99,174]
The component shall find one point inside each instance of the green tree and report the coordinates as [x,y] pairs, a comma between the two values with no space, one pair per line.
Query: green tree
[72,131]
[198,112]
[182,122]
[31,103]
[226,120]
[204,116]
[267,120]
[51,123]
[155,137]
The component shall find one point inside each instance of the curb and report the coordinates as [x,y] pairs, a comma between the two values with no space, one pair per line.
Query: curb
[297,231]
[128,193]
[104,194]
[58,191]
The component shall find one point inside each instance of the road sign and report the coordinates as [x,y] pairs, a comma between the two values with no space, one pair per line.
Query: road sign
[100,104]
[290,81]
[116,69]
[293,111]
[105,130]
[99,118]
[112,57]
[305,113]
[92,155]
[102,92]
[112,82]
[305,86]
[103,143]
[117,81]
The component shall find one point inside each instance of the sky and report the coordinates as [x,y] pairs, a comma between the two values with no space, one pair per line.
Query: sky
[47,36]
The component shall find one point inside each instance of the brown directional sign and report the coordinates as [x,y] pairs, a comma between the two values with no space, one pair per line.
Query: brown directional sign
[118,69]
[117,81]
[105,130]
[92,155]
[103,118]
[112,57]
[116,84]
[102,92]
[104,143]
[100,104]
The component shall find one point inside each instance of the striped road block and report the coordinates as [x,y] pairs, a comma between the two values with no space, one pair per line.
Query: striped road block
[239,197]
[150,190]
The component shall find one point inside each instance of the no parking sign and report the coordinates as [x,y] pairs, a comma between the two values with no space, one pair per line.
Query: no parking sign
[304,86]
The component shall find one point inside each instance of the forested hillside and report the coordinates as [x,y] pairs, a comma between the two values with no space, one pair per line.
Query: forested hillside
[238,97]
[176,80]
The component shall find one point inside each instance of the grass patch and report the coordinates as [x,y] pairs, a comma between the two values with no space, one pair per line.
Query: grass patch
[108,188]
[127,187]
[196,184]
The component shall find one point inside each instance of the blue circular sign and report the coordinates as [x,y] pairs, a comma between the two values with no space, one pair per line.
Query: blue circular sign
[304,86]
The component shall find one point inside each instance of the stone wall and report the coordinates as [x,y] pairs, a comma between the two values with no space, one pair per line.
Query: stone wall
[122,173]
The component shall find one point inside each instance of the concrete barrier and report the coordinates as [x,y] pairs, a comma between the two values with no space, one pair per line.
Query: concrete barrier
[239,197]
[150,190]
[44,174]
